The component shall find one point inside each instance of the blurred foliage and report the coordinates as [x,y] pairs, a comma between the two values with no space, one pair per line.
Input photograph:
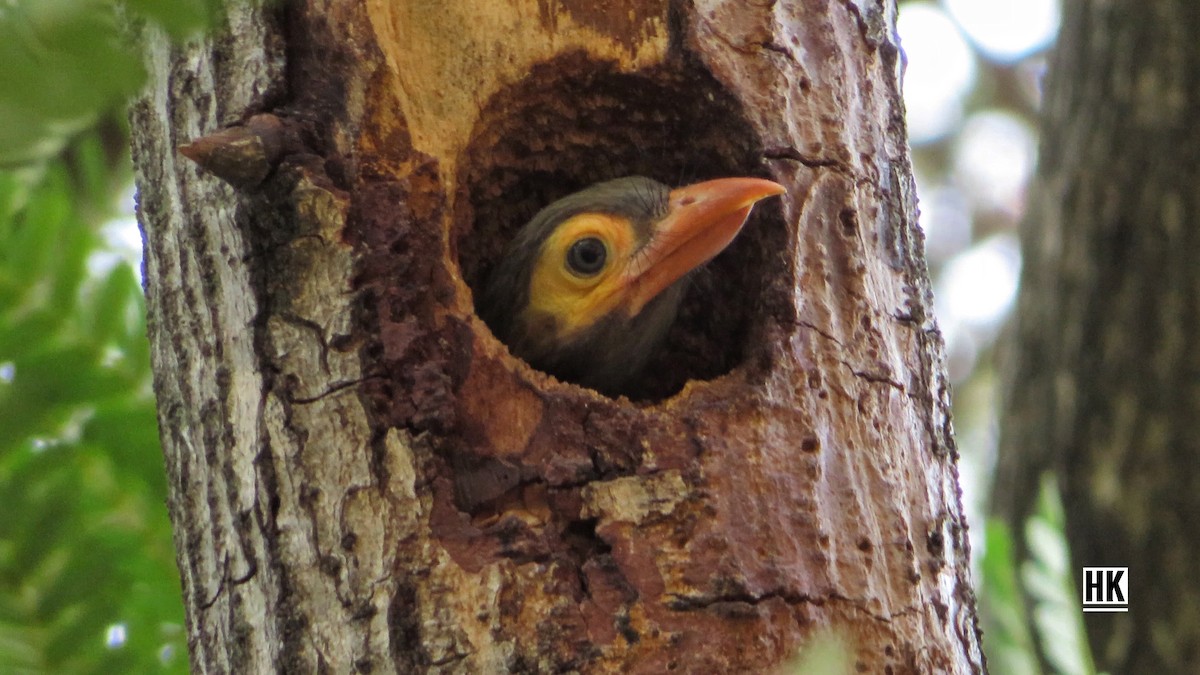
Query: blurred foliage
[828,652]
[1008,638]
[88,582]
[972,178]
[68,62]
[1049,580]
[85,543]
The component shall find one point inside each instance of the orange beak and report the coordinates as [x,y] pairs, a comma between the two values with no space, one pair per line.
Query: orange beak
[701,220]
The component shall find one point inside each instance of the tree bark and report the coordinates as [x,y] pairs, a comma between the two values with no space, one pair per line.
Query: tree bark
[1103,376]
[363,479]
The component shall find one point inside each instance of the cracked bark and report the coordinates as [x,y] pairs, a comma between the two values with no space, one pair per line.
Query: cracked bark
[1102,365]
[362,478]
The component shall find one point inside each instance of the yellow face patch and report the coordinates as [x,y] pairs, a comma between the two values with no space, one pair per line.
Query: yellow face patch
[577,300]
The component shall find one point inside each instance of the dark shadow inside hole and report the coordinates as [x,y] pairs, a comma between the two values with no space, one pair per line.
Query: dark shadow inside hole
[574,122]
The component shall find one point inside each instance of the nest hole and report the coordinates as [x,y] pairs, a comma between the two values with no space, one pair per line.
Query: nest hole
[573,122]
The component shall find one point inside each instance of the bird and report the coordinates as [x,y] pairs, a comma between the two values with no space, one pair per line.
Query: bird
[588,288]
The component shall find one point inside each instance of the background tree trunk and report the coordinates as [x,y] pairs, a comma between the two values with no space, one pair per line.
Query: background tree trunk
[363,479]
[1104,377]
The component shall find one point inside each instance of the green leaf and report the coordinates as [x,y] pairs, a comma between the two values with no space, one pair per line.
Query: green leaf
[114,308]
[1047,545]
[85,541]
[1009,644]
[180,18]
[31,246]
[1049,580]
[66,63]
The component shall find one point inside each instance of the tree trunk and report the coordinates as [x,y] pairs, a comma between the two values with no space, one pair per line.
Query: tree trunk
[363,479]
[1104,371]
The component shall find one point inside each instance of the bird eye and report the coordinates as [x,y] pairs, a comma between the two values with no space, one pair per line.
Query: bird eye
[586,257]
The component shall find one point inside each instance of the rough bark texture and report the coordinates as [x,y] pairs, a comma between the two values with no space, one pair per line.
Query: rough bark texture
[364,480]
[1104,377]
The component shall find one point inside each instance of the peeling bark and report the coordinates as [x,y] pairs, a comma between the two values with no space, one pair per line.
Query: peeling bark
[1102,374]
[363,479]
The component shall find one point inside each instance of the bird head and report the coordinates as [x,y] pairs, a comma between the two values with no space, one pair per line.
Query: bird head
[588,288]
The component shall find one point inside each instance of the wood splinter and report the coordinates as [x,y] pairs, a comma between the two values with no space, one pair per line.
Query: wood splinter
[242,155]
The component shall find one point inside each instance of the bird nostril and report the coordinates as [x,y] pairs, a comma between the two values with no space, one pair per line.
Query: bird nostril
[687,201]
